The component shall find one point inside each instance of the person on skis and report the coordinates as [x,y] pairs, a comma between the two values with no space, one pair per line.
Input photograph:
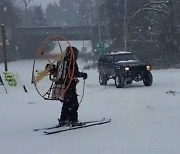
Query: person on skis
[69,111]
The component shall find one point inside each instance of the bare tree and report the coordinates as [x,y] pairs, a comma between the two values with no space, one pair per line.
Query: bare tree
[26,4]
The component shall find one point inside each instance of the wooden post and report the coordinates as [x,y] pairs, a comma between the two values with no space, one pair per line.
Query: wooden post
[4,47]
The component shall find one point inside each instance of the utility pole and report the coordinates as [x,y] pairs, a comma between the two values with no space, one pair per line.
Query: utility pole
[125,25]
[172,23]
[99,25]
[107,29]
[4,47]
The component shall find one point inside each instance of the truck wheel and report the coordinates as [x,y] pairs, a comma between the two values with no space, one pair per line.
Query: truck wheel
[119,81]
[102,79]
[148,79]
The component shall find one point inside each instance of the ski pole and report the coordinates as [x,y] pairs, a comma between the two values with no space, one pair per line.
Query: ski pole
[3,84]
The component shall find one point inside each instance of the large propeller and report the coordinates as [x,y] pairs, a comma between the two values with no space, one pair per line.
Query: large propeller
[45,60]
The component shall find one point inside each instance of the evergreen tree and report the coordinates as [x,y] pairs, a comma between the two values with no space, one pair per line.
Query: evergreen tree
[85,10]
[39,16]
[69,12]
[64,14]
[8,13]
[34,16]
[54,15]
[150,27]
[115,13]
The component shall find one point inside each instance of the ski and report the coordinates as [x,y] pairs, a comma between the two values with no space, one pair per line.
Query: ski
[46,128]
[57,126]
[68,128]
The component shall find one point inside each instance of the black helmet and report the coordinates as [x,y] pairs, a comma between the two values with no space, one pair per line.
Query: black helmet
[74,49]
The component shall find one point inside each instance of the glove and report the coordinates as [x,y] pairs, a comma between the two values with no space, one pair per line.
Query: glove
[84,76]
[52,67]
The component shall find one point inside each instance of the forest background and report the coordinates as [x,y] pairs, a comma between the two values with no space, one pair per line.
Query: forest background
[150,29]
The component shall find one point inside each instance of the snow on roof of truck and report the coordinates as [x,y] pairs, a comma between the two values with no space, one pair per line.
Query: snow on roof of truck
[119,52]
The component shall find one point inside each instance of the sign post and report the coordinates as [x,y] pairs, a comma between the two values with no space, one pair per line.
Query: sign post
[101,48]
[4,46]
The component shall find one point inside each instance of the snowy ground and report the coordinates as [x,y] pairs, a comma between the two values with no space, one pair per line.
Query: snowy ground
[145,120]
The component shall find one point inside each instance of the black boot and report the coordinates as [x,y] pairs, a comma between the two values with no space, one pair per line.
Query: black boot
[63,122]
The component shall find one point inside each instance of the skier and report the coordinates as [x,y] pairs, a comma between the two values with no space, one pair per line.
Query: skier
[69,111]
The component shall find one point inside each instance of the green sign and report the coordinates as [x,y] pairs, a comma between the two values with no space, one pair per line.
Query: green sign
[101,47]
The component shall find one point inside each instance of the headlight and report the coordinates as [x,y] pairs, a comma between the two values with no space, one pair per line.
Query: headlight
[126,68]
[148,68]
